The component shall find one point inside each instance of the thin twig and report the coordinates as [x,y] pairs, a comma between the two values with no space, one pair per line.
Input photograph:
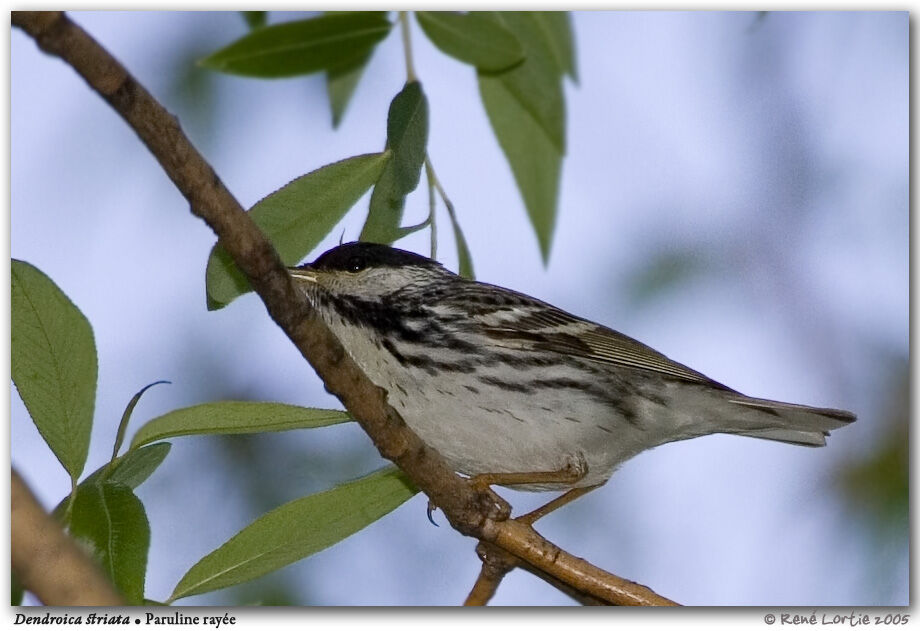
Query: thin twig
[432,215]
[433,177]
[496,563]
[407,46]
[410,77]
[469,511]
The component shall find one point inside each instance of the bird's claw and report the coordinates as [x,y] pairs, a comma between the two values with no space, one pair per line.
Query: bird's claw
[431,509]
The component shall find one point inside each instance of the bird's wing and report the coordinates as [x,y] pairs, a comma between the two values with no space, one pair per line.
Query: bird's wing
[529,324]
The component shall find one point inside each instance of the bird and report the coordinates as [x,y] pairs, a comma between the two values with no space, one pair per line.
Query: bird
[513,391]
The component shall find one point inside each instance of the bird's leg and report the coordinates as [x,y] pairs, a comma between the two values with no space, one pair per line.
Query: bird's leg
[570,474]
[559,502]
[496,562]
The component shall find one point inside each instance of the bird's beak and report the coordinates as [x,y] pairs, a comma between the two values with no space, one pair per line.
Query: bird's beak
[302,274]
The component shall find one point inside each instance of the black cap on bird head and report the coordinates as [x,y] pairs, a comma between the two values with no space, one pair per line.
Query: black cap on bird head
[358,255]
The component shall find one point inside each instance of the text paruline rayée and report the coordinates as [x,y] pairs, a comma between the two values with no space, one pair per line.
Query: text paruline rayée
[173,618]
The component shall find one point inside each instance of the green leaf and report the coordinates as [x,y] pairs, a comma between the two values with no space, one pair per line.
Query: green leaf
[536,83]
[557,30]
[126,416]
[16,591]
[301,47]
[407,140]
[386,209]
[255,19]
[535,161]
[407,134]
[296,218]
[235,417]
[223,280]
[134,467]
[130,470]
[53,364]
[473,38]
[463,250]
[340,86]
[341,81]
[405,231]
[526,106]
[112,523]
[296,530]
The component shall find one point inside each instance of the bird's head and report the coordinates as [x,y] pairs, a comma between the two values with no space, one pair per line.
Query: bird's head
[367,271]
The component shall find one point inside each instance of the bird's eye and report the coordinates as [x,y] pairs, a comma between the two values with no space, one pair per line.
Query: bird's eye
[356,264]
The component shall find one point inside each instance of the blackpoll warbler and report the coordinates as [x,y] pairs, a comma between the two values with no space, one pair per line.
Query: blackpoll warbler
[504,385]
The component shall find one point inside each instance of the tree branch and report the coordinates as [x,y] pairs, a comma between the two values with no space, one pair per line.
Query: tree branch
[47,562]
[471,512]
[496,563]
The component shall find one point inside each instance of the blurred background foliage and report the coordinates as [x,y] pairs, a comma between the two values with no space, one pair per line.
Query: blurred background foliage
[735,194]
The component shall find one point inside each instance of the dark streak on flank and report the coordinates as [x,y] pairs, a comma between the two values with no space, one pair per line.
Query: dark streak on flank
[506,385]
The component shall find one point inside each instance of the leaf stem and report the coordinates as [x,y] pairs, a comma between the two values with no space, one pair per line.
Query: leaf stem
[463,253]
[407,46]
[433,179]
[429,177]
[68,510]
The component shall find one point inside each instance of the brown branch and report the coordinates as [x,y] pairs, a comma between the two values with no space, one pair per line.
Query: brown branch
[525,543]
[47,562]
[470,512]
[497,563]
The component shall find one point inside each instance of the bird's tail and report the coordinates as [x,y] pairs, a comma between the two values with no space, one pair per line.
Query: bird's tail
[787,422]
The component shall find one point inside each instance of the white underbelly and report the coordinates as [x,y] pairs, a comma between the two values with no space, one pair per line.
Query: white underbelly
[479,428]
